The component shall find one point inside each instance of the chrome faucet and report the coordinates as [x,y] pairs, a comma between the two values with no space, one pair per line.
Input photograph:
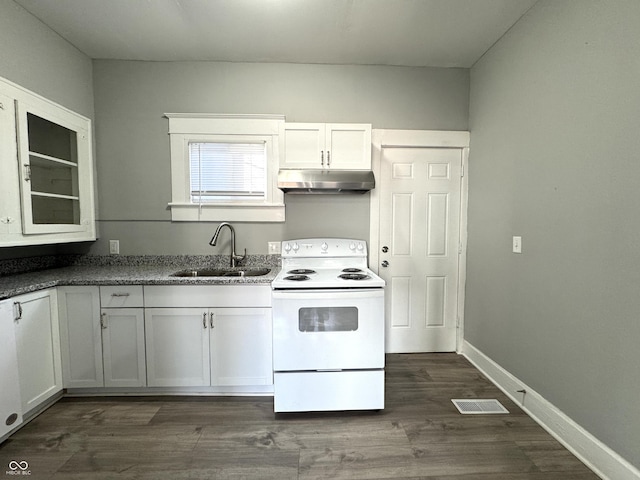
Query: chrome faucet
[234,258]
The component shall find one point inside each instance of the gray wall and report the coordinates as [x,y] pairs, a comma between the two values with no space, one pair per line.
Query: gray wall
[554,118]
[133,146]
[36,58]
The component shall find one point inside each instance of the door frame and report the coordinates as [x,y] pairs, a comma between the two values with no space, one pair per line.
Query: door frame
[386,138]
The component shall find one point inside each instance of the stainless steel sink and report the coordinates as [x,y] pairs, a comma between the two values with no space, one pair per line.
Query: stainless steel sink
[223,272]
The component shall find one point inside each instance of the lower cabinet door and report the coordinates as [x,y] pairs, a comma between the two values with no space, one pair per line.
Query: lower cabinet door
[80,336]
[177,347]
[241,346]
[38,348]
[123,349]
[10,405]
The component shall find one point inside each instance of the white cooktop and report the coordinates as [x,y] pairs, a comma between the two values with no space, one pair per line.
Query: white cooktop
[327,257]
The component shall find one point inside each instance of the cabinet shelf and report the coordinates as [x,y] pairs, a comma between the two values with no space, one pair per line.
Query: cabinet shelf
[54,195]
[57,160]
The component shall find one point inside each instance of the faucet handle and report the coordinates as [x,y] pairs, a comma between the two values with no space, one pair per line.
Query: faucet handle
[240,258]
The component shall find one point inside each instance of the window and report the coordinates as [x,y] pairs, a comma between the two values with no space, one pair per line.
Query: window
[227,171]
[224,167]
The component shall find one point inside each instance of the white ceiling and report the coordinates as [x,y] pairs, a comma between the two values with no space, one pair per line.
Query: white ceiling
[439,33]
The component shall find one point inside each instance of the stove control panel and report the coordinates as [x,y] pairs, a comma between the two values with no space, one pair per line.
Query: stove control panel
[324,247]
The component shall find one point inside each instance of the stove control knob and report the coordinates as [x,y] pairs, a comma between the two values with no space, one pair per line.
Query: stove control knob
[287,247]
[324,246]
[360,247]
[295,247]
[352,246]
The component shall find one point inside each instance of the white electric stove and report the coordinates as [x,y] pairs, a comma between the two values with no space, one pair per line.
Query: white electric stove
[328,328]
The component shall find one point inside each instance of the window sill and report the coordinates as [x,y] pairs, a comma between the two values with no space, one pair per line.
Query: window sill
[206,212]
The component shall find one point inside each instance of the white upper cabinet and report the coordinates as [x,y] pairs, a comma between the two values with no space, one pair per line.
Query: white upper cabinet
[338,146]
[47,159]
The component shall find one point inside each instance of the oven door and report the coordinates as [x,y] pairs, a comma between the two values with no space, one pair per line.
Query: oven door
[328,329]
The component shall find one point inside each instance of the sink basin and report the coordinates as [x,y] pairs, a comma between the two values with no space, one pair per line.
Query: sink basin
[223,272]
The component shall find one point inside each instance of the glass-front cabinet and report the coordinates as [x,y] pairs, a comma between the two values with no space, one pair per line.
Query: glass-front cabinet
[54,172]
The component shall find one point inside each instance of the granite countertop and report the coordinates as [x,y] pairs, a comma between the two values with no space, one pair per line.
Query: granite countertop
[134,271]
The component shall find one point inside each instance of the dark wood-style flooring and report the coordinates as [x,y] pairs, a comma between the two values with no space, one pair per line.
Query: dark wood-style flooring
[419,435]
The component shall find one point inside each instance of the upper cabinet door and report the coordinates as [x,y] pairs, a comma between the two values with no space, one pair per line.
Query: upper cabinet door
[304,145]
[10,224]
[55,168]
[338,146]
[349,146]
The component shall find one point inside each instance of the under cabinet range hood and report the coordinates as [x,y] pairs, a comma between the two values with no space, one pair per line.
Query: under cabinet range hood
[325,181]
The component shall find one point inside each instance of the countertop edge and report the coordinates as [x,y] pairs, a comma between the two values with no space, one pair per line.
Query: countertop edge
[19,284]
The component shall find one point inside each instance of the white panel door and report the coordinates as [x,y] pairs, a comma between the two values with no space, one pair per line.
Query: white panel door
[177,341]
[419,240]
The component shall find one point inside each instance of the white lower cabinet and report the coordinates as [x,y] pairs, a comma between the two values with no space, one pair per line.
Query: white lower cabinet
[38,347]
[109,340]
[80,337]
[101,347]
[177,341]
[240,346]
[123,347]
[208,347]
[10,404]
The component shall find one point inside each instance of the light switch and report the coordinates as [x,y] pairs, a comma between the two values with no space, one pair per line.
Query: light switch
[517,244]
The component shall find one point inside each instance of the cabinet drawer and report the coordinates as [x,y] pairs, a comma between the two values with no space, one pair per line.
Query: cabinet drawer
[121,296]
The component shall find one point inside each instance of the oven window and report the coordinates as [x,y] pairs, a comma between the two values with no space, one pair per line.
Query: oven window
[328,319]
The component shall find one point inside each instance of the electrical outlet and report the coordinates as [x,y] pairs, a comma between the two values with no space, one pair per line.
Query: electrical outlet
[517,244]
[114,247]
[274,248]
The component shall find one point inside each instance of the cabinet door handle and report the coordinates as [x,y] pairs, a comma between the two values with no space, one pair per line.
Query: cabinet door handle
[204,320]
[103,321]
[19,307]
[322,158]
[211,315]
[328,158]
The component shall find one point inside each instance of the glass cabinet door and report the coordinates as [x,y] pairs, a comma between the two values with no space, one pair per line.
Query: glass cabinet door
[52,147]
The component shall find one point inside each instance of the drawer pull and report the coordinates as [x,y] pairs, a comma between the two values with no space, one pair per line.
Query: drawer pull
[120,294]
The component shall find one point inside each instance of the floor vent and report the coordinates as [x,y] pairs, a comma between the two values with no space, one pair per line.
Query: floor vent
[476,407]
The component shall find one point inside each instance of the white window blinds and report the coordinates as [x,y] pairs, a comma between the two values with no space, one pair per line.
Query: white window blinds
[223,171]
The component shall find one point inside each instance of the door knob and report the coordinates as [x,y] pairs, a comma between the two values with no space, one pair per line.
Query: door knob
[385,249]
[385,263]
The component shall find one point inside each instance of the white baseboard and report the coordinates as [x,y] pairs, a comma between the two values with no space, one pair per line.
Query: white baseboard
[592,452]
